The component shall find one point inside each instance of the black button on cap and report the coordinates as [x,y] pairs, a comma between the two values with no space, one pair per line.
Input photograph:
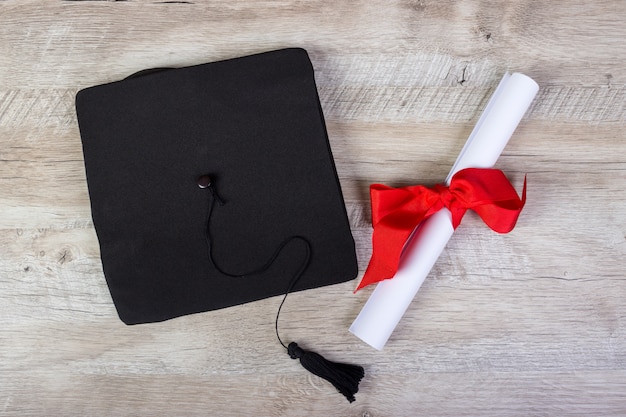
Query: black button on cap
[204,181]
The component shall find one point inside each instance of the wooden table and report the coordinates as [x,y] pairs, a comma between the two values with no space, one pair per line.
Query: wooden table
[532,323]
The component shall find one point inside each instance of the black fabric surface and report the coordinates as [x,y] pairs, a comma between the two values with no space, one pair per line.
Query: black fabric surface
[255,125]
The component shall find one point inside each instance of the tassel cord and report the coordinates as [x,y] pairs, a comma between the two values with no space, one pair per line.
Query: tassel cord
[294,280]
[344,377]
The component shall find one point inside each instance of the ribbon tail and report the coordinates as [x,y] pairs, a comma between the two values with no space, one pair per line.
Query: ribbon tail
[374,273]
[386,250]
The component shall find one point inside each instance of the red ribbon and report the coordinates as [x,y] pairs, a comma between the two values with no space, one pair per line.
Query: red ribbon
[397,211]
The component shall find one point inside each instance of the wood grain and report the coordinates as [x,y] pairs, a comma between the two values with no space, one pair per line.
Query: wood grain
[532,323]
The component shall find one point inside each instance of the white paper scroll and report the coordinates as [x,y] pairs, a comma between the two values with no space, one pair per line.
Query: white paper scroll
[392,297]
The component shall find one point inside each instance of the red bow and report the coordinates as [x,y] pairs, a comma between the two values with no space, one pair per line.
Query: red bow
[397,211]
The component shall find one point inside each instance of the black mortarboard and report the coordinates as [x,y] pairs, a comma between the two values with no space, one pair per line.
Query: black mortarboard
[213,185]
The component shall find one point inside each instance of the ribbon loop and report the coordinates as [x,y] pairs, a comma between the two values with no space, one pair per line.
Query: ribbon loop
[396,212]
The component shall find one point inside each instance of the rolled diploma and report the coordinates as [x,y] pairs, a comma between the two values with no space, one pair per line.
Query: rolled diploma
[390,299]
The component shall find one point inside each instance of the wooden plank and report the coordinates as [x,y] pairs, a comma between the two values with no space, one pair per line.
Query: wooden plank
[528,323]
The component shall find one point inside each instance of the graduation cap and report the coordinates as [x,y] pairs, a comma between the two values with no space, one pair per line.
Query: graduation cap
[213,186]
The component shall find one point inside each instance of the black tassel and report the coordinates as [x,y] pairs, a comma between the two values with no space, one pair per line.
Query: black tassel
[343,376]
